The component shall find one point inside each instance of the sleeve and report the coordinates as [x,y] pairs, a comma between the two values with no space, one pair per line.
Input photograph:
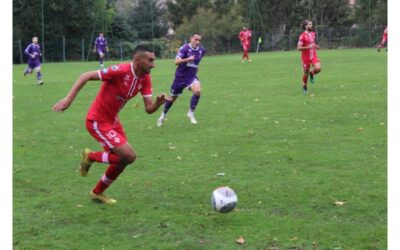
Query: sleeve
[147,90]
[111,72]
[182,52]
[26,51]
[301,40]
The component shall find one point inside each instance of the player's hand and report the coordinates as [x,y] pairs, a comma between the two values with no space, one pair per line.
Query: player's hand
[33,56]
[190,58]
[316,46]
[162,98]
[62,105]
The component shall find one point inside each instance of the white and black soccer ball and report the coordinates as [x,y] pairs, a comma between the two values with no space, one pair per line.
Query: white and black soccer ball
[223,199]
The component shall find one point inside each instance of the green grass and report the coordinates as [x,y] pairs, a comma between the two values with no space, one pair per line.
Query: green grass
[287,155]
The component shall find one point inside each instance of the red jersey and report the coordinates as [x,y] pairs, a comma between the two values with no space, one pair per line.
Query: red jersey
[385,34]
[119,85]
[307,38]
[245,37]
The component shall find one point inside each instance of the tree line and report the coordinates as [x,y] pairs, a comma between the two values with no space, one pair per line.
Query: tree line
[217,20]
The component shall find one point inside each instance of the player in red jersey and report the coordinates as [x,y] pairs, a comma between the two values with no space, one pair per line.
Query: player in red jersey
[245,39]
[120,83]
[384,39]
[308,46]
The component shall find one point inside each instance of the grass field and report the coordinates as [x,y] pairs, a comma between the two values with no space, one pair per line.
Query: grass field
[288,156]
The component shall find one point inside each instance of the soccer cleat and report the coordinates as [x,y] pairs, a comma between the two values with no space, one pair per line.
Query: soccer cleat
[190,115]
[101,198]
[160,120]
[305,89]
[85,162]
[311,78]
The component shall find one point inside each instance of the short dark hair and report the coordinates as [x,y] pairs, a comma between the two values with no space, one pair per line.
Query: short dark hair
[305,22]
[141,49]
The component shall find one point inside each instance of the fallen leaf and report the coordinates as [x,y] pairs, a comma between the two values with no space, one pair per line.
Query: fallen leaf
[240,240]
[339,203]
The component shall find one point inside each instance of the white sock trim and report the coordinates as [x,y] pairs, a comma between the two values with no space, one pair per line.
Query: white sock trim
[104,157]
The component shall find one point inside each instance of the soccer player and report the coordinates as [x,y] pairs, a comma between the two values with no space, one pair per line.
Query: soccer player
[120,83]
[188,60]
[34,53]
[245,39]
[308,46]
[384,39]
[100,46]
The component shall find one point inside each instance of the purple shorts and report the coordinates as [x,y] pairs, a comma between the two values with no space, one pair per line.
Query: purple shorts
[100,52]
[33,64]
[178,86]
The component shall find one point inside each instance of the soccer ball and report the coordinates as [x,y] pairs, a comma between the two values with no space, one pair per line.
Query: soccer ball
[223,199]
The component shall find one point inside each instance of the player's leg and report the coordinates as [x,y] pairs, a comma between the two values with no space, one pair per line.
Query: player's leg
[316,69]
[306,70]
[247,54]
[28,70]
[195,87]
[127,156]
[118,152]
[38,75]
[244,53]
[101,58]
[176,90]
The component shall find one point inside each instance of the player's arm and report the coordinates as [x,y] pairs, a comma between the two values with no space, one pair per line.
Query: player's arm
[151,106]
[301,47]
[64,103]
[95,46]
[26,52]
[179,60]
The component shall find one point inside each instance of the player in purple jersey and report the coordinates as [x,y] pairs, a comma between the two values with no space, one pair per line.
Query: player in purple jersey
[188,60]
[33,52]
[100,46]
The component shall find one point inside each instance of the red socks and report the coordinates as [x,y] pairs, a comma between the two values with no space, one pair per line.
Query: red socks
[305,78]
[111,174]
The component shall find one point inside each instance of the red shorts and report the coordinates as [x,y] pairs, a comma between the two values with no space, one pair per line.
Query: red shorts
[307,63]
[109,135]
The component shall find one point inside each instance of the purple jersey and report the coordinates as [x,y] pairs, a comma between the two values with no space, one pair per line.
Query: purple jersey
[33,52]
[101,43]
[187,71]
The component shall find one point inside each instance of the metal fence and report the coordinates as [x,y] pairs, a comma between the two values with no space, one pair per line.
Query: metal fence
[64,49]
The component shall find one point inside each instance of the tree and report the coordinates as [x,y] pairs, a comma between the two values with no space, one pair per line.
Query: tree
[180,10]
[149,20]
